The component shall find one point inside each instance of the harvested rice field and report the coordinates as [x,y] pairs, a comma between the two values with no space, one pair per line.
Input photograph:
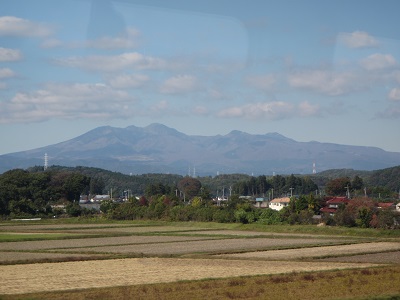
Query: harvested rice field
[91,274]
[84,256]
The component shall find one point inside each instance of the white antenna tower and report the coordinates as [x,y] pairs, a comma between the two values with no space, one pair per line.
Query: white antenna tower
[314,169]
[194,172]
[46,161]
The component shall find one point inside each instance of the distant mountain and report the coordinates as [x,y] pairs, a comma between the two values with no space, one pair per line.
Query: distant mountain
[160,149]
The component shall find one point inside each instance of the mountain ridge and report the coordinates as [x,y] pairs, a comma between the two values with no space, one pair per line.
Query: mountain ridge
[157,148]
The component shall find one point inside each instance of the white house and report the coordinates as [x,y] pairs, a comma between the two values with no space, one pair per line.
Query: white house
[279,203]
[99,198]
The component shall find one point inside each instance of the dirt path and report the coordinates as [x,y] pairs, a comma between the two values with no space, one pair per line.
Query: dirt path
[17,279]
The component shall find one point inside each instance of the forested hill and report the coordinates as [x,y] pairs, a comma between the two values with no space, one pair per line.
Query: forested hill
[107,180]
[389,178]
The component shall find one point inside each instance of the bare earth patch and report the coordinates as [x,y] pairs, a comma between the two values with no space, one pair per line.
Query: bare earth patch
[90,242]
[377,258]
[205,246]
[292,254]
[32,256]
[17,279]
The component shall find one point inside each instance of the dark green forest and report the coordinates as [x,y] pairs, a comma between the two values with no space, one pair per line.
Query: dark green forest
[56,193]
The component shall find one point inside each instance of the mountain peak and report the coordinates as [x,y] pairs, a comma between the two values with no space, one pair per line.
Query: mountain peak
[236,133]
[159,148]
[161,129]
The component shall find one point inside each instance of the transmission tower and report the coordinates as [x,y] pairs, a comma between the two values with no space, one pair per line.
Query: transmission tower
[46,161]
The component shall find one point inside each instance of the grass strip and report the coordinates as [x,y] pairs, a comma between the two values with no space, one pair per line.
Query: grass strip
[369,283]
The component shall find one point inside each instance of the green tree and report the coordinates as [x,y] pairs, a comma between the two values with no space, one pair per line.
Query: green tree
[338,186]
[269,217]
[96,186]
[189,186]
[73,209]
[197,202]
[74,185]
[357,183]
[107,205]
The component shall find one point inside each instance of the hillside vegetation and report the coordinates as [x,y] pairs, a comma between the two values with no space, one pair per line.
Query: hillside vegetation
[59,190]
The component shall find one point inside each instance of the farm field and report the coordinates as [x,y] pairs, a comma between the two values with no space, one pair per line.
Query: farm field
[93,256]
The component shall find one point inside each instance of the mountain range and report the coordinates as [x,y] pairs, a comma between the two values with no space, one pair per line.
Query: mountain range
[159,149]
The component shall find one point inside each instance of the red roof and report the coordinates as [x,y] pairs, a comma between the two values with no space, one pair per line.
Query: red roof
[385,204]
[338,200]
[328,210]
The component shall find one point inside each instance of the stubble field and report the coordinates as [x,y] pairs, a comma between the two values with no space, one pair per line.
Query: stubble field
[129,254]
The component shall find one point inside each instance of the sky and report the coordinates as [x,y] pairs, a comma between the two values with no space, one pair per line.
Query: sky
[311,70]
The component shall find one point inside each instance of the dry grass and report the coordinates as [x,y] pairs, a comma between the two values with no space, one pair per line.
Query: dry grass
[323,251]
[91,274]
[344,284]
[159,276]
[206,246]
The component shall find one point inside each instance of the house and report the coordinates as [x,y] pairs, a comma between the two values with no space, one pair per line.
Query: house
[398,207]
[279,203]
[261,203]
[99,198]
[333,204]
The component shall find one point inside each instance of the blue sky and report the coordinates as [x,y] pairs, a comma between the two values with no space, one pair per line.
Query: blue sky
[326,71]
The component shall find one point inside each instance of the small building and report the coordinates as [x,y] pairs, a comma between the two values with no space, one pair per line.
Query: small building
[99,198]
[279,203]
[261,203]
[333,204]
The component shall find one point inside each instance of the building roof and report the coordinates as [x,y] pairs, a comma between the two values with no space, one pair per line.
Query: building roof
[281,200]
[328,210]
[338,200]
[386,204]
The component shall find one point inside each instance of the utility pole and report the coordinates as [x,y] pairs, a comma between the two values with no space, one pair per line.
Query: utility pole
[348,192]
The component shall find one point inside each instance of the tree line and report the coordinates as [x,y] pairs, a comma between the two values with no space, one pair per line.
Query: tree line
[34,192]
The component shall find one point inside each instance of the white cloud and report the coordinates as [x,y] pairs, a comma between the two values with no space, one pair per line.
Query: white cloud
[201,110]
[52,43]
[270,110]
[306,109]
[128,81]
[378,61]
[266,82]
[179,84]
[6,73]
[68,101]
[159,107]
[7,54]
[125,40]
[128,39]
[13,26]
[358,39]
[325,82]
[114,63]
[394,94]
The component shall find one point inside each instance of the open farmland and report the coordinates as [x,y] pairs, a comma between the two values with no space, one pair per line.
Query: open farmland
[110,255]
